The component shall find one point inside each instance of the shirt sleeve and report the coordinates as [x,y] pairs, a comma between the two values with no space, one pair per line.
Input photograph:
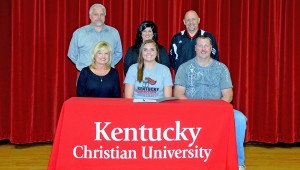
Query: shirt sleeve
[163,57]
[225,78]
[117,90]
[81,84]
[172,55]
[215,51]
[167,78]
[73,48]
[117,51]
[131,76]
[181,77]
[128,60]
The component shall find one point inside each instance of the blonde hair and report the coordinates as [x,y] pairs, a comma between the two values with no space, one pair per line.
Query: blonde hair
[141,59]
[99,46]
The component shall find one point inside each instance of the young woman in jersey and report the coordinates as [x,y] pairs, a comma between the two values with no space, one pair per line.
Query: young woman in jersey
[148,78]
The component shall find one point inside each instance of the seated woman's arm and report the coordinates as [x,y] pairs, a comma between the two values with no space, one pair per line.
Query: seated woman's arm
[168,91]
[129,89]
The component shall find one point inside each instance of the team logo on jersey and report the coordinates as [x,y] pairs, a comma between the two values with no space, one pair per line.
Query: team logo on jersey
[150,80]
[146,89]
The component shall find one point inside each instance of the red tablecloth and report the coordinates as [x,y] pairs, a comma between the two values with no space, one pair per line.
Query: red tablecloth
[96,133]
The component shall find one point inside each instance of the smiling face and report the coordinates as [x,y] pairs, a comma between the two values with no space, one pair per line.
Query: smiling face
[97,17]
[203,48]
[149,52]
[147,33]
[191,21]
[102,57]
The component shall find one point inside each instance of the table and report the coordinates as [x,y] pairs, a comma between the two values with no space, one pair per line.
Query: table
[102,133]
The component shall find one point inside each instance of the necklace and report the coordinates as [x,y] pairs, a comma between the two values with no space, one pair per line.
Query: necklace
[101,77]
[99,74]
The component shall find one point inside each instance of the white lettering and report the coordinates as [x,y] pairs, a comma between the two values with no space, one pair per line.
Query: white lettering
[147,134]
[192,153]
[100,131]
[165,134]
[83,152]
[115,132]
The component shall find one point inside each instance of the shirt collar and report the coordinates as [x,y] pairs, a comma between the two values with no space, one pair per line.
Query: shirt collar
[188,34]
[91,27]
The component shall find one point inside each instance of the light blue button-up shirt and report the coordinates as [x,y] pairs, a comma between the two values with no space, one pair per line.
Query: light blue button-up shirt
[84,39]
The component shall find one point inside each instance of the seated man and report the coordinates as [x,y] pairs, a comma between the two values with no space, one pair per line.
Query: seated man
[205,78]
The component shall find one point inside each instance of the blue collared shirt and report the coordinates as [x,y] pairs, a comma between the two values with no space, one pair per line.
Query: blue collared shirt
[84,39]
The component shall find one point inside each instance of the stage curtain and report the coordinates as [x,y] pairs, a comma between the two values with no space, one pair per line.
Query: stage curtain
[257,40]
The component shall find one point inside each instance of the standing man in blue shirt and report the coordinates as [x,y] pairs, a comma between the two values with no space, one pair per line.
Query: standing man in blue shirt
[84,39]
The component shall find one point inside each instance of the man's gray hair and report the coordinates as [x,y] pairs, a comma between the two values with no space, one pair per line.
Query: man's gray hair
[97,6]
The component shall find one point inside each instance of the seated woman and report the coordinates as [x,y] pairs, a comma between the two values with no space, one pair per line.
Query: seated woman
[148,78]
[99,79]
[147,30]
